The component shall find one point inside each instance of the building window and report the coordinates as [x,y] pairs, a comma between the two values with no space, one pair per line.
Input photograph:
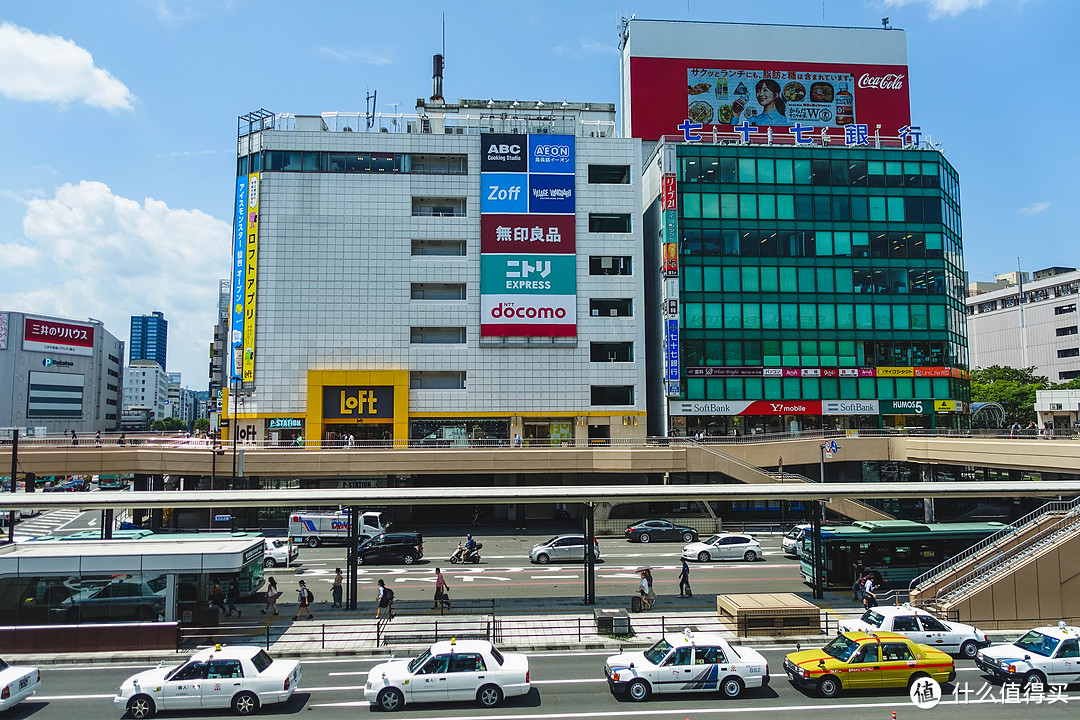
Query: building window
[437,291]
[454,248]
[437,380]
[611,352]
[437,335]
[1064,309]
[438,207]
[609,222]
[609,265]
[612,394]
[609,174]
[1063,331]
[1069,375]
[613,307]
[1069,352]
[439,164]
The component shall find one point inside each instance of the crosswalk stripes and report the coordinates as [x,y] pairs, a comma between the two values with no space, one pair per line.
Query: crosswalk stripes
[45,524]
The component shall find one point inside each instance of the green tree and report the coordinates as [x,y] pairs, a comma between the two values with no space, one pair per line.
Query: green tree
[1013,388]
[1071,385]
[168,425]
[202,424]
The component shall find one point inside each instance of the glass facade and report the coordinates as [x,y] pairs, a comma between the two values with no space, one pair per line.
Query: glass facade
[817,275]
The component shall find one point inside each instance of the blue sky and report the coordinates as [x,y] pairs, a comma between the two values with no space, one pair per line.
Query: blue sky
[118,120]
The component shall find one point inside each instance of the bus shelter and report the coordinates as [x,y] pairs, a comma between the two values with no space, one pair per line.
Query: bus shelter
[148,579]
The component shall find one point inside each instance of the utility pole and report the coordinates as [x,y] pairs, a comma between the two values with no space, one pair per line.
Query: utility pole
[14,480]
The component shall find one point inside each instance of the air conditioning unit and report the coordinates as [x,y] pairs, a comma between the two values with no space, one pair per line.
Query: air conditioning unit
[1055,406]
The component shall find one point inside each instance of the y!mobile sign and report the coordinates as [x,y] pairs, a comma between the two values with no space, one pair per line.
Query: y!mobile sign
[723,74]
[528,268]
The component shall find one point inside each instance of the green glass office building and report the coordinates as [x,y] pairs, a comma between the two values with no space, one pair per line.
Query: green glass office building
[814,287]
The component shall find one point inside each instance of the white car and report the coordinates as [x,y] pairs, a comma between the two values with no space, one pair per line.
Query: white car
[279,552]
[1047,655]
[242,677]
[793,540]
[449,670]
[18,682]
[922,627]
[726,546]
[562,548]
[687,663]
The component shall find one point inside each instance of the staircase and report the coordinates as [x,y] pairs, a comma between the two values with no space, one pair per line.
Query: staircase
[998,555]
[744,472]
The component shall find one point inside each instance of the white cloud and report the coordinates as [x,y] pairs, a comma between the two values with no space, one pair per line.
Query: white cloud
[1034,208]
[48,68]
[938,8]
[363,57]
[586,47]
[89,252]
[16,255]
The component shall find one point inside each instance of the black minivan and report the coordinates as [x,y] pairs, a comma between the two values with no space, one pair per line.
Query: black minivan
[405,547]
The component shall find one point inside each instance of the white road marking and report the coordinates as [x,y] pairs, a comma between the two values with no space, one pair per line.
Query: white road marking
[38,698]
[554,577]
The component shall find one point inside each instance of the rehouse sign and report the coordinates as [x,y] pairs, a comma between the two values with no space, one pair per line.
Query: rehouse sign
[528,268]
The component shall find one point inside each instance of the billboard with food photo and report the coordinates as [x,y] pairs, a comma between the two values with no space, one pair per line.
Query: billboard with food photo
[723,74]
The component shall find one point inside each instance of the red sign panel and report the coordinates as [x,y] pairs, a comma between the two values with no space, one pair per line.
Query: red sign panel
[58,337]
[665,92]
[783,407]
[548,234]
[669,196]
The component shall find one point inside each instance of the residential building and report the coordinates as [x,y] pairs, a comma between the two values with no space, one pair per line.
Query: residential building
[1059,408]
[149,338]
[59,374]
[1033,324]
[146,390]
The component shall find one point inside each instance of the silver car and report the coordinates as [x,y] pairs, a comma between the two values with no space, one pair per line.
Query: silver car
[562,548]
[724,547]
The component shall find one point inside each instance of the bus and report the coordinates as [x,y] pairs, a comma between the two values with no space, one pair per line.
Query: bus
[893,551]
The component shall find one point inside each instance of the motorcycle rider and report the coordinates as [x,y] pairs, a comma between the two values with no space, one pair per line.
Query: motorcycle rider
[465,548]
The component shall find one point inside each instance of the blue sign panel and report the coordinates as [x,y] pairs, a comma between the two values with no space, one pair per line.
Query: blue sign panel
[239,251]
[671,346]
[551,154]
[551,194]
[504,193]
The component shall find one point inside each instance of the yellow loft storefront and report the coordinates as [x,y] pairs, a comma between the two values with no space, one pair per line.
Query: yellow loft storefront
[371,408]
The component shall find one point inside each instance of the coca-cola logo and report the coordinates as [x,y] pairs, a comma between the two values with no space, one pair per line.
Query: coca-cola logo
[891,81]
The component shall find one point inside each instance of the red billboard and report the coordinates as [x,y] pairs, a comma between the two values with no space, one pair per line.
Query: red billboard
[521,233]
[58,337]
[718,94]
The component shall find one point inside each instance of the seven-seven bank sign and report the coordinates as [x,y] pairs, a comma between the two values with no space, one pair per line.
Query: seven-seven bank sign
[528,268]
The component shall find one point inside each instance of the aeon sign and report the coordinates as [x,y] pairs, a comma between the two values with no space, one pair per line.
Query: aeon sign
[891,81]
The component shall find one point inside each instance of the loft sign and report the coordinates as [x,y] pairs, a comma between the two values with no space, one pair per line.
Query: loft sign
[351,402]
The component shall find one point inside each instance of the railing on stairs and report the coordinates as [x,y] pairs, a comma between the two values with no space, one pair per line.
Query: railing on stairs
[1057,506]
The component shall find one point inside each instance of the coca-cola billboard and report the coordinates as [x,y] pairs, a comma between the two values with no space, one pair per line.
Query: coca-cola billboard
[720,75]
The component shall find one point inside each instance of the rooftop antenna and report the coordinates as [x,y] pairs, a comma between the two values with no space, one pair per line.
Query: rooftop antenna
[371,107]
[885,23]
[438,65]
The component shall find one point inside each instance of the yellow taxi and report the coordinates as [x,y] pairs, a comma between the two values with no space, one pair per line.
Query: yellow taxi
[866,661]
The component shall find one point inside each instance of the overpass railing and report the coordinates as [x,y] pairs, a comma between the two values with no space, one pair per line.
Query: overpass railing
[181,442]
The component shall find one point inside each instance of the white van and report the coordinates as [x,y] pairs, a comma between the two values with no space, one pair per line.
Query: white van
[793,540]
[279,551]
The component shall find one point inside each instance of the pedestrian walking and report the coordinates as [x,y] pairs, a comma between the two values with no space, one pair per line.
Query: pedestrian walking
[869,596]
[74,438]
[217,597]
[857,585]
[272,595]
[122,441]
[97,438]
[304,596]
[643,590]
[441,589]
[384,597]
[652,593]
[336,588]
[231,598]
[684,581]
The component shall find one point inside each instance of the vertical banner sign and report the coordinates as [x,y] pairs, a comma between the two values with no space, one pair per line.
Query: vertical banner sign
[669,257]
[251,264]
[236,322]
[528,265]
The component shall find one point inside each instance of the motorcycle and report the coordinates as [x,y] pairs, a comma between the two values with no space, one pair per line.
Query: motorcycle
[463,556]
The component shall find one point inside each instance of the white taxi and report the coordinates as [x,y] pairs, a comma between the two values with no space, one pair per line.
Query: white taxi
[242,677]
[18,682]
[687,663]
[1045,655]
[952,637]
[450,670]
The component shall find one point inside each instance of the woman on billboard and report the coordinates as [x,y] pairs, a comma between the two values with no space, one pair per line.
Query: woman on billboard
[773,105]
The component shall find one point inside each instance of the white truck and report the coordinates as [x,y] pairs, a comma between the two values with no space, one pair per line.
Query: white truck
[317,528]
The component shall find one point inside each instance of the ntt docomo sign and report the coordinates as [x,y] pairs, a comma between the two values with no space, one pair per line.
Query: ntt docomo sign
[529,315]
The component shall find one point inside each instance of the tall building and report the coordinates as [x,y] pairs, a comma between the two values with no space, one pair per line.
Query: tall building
[219,348]
[804,240]
[149,338]
[59,374]
[146,390]
[1028,324]
[469,273]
